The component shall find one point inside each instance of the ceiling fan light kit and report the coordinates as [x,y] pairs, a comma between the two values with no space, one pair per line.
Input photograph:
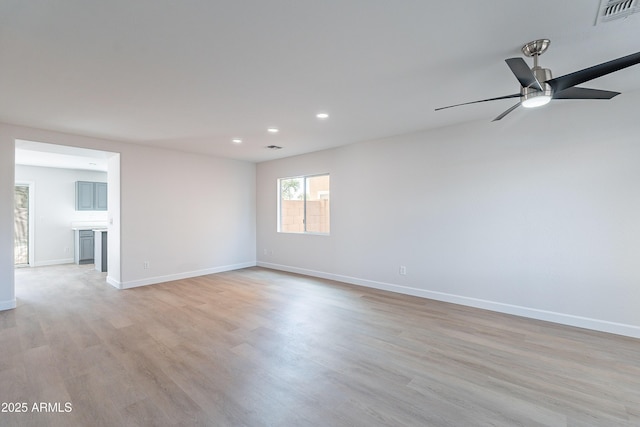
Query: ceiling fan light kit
[538,88]
[535,99]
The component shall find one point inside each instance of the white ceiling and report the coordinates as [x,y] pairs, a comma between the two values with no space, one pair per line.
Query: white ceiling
[193,74]
[31,153]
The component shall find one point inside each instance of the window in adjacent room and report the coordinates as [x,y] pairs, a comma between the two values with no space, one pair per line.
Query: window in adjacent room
[21,225]
[304,204]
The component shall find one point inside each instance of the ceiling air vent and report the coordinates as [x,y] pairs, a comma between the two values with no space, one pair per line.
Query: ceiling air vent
[611,10]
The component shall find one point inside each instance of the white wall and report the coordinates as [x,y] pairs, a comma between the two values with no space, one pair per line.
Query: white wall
[7,154]
[114,271]
[537,215]
[185,214]
[53,197]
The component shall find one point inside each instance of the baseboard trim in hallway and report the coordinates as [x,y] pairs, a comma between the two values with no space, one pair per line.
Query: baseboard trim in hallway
[7,305]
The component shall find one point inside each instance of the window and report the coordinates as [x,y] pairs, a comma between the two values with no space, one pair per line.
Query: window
[21,225]
[303,204]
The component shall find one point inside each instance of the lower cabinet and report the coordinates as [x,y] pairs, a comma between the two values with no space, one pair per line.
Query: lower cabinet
[84,250]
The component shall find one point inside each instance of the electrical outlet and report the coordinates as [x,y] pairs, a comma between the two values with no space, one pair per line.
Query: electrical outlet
[266,252]
[145,265]
[403,270]
[67,250]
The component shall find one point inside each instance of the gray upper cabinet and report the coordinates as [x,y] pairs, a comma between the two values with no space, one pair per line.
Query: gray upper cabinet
[84,196]
[101,196]
[91,196]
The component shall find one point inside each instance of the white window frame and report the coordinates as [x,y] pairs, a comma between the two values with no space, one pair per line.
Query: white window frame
[304,198]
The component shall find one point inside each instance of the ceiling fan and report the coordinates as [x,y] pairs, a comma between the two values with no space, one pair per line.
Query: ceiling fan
[538,88]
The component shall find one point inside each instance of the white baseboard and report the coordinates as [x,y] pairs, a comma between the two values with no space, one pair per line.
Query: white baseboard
[532,313]
[113,282]
[53,262]
[7,305]
[178,276]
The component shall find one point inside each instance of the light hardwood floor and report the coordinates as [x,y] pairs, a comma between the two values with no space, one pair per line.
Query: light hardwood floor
[258,347]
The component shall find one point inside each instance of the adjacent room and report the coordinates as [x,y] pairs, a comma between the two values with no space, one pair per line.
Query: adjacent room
[344,213]
[68,189]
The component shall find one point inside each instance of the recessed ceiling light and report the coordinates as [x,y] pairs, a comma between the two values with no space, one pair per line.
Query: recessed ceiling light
[273,130]
[322,116]
[236,141]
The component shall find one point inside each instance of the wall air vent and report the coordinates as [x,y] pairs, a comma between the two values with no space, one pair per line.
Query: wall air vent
[611,10]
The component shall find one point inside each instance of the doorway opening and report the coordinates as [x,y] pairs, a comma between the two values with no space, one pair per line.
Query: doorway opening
[47,214]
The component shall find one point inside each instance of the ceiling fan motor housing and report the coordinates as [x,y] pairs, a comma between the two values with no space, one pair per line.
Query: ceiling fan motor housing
[542,74]
[528,94]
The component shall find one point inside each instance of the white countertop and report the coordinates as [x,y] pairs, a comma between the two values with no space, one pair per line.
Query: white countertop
[90,228]
[89,225]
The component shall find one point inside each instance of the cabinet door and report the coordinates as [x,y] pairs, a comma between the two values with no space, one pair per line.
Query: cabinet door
[84,196]
[100,196]
[86,248]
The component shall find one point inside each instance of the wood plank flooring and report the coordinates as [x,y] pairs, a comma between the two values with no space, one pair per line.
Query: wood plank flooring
[256,347]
